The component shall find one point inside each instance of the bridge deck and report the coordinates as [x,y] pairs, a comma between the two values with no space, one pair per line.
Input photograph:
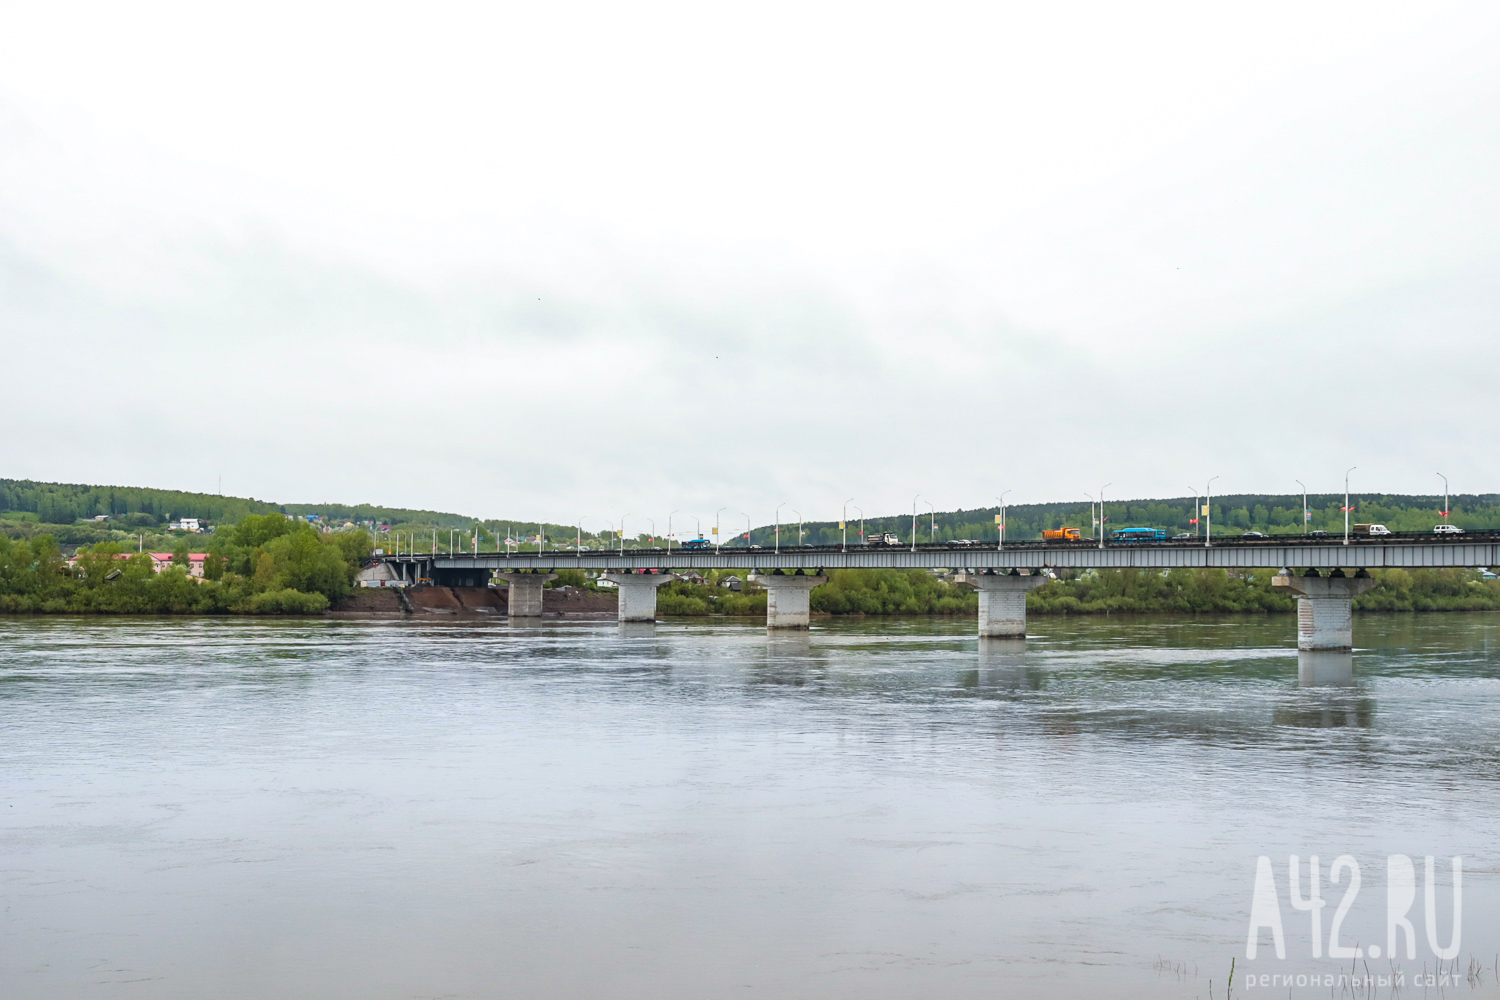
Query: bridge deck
[1426,551]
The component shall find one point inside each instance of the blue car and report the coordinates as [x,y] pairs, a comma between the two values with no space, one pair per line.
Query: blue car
[697,543]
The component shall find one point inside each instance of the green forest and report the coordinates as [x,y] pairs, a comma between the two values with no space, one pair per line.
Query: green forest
[266,564]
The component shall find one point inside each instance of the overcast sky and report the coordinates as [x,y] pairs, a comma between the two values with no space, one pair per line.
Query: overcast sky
[561,261]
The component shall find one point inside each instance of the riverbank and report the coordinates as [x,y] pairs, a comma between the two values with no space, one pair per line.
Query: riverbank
[312,579]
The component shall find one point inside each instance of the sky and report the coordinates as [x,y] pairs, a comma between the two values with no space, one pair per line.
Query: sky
[570,261]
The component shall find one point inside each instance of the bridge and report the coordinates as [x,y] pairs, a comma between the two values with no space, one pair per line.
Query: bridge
[1325,573]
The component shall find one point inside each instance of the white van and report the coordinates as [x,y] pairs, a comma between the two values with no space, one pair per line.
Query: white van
[1447,529]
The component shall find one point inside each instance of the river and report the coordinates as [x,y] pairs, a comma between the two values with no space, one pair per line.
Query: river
[249,808]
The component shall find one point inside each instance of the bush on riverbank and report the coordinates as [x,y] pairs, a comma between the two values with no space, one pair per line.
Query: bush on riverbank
[1136,591]
[1126,591]
[265,565]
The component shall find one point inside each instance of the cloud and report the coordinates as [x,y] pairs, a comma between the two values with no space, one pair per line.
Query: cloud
[609,270]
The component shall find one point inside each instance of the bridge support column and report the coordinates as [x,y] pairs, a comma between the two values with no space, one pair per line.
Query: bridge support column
[1325,619]
[524,599]
[788,597]
[1002,601]
[638,594]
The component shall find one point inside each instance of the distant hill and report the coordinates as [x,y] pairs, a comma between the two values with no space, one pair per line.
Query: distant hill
[64,503]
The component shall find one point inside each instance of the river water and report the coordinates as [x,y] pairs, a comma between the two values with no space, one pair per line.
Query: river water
[876,809]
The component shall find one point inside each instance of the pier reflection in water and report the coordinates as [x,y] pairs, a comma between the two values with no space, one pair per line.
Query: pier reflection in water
[880,809]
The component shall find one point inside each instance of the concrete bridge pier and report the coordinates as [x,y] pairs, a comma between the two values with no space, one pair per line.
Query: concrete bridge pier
[788,597]
[1325,618]
[638,593]
[1002,600]
[524,599]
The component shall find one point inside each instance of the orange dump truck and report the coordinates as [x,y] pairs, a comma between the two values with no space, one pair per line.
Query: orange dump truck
[1062,535]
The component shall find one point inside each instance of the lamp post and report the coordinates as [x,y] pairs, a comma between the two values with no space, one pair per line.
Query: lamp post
[622,533]
[1304,504]
[844,526]
[669,531]
[747,528]
[652,536]
[1093,522]
[799,526]
[914,522]
[1208,502]
[1001,523]
[1346,502]
[1101,513]
[931,523]
[778,526]
[718,537]
[1445,495]
[578,545]
[697,528]
[541,537]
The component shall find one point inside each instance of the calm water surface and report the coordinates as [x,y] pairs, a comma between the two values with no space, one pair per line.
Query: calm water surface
[386,809]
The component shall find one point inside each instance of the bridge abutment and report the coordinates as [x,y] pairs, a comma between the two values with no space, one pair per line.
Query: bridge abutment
[1325,615]
[524,599]
[1002,601]
[638,594]
[788,597]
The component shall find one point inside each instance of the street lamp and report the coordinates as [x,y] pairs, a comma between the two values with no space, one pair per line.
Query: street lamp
[748,530]
[652,536]
[1001,523]
[697,528]
[669,531]
[1101,514]
[1346,502]
[718,538]
[914,522]
[1208,502]
[932,523]
[1445,495]
[1093,522]
[778,525]
[799,526]
[578,545]
[844,525]
[622,533]
[1304,504]
[862,540]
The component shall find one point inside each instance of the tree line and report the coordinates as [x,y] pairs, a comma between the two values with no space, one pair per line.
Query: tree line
[266,564]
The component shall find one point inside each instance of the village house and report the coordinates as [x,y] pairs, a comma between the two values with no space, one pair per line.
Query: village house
[160,561]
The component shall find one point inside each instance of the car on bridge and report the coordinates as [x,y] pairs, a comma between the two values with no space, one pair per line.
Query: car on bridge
[884,539]
[1447,529]
[697,543]
[1255,534]
[1062,535]
[1371,529]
